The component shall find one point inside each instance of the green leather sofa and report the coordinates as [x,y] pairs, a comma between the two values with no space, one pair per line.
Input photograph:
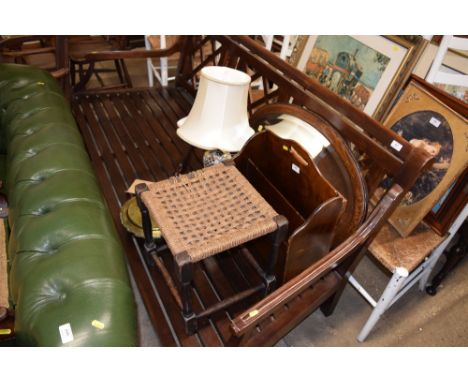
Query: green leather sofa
[66,264]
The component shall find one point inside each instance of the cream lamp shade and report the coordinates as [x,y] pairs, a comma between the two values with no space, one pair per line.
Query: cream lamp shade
[297,130]
[218,118]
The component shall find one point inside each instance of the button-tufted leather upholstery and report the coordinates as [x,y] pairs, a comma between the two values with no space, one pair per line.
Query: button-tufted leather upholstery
[66,264]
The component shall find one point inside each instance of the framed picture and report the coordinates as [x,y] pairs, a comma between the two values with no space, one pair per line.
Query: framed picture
[449,206]
[368,71]
[454,59]
[459,91]
[424,121]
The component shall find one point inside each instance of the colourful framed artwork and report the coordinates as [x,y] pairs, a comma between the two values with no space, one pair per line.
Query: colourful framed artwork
[425,121]
[461,92]
[368,71]
[458,91]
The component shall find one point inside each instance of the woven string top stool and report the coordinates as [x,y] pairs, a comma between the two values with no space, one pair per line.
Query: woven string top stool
[201,214]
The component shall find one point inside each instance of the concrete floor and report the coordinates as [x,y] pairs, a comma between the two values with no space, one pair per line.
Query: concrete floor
[417,319]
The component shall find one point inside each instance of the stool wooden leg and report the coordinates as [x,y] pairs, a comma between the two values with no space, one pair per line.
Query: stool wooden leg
[150,245]
[183,265]
[277,238]
[127,78]
[118,69]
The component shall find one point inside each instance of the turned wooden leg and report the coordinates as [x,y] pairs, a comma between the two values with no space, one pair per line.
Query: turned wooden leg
[126,74]
[278,237]
[183,270]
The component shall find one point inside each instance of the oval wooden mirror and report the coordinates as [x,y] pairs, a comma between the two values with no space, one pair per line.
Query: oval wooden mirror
[330,153]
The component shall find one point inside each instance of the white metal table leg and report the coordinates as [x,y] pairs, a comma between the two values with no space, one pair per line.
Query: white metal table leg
[396,283]
[268,40]
[149,64]
[163,62]
[285,47]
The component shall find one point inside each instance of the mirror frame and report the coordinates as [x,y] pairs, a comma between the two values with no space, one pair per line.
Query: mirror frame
[355,190]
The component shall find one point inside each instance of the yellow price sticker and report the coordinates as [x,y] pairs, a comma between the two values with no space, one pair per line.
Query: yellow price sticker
[253,313]
[98,324]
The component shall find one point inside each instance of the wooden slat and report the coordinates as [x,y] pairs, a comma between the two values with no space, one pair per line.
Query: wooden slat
[132,255]
[155,311]
[221,319]
[297,310]
[114,142]
[226,283]
[124,140]
[97,136]
[151,130]
[156,126]
[138,161]
[162,110]
[140,135]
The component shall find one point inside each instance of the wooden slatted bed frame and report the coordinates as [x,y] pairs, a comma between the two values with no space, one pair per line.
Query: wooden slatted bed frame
[130,133]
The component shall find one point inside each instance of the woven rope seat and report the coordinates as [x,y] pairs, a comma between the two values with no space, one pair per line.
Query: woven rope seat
[208,211]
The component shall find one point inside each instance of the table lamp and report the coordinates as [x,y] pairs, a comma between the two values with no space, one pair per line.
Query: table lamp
[218,118]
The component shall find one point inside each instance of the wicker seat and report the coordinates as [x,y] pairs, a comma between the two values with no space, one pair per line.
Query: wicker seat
[208,211]
[204,213]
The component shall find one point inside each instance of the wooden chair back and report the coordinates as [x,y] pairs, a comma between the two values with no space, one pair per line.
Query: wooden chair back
[381,149]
